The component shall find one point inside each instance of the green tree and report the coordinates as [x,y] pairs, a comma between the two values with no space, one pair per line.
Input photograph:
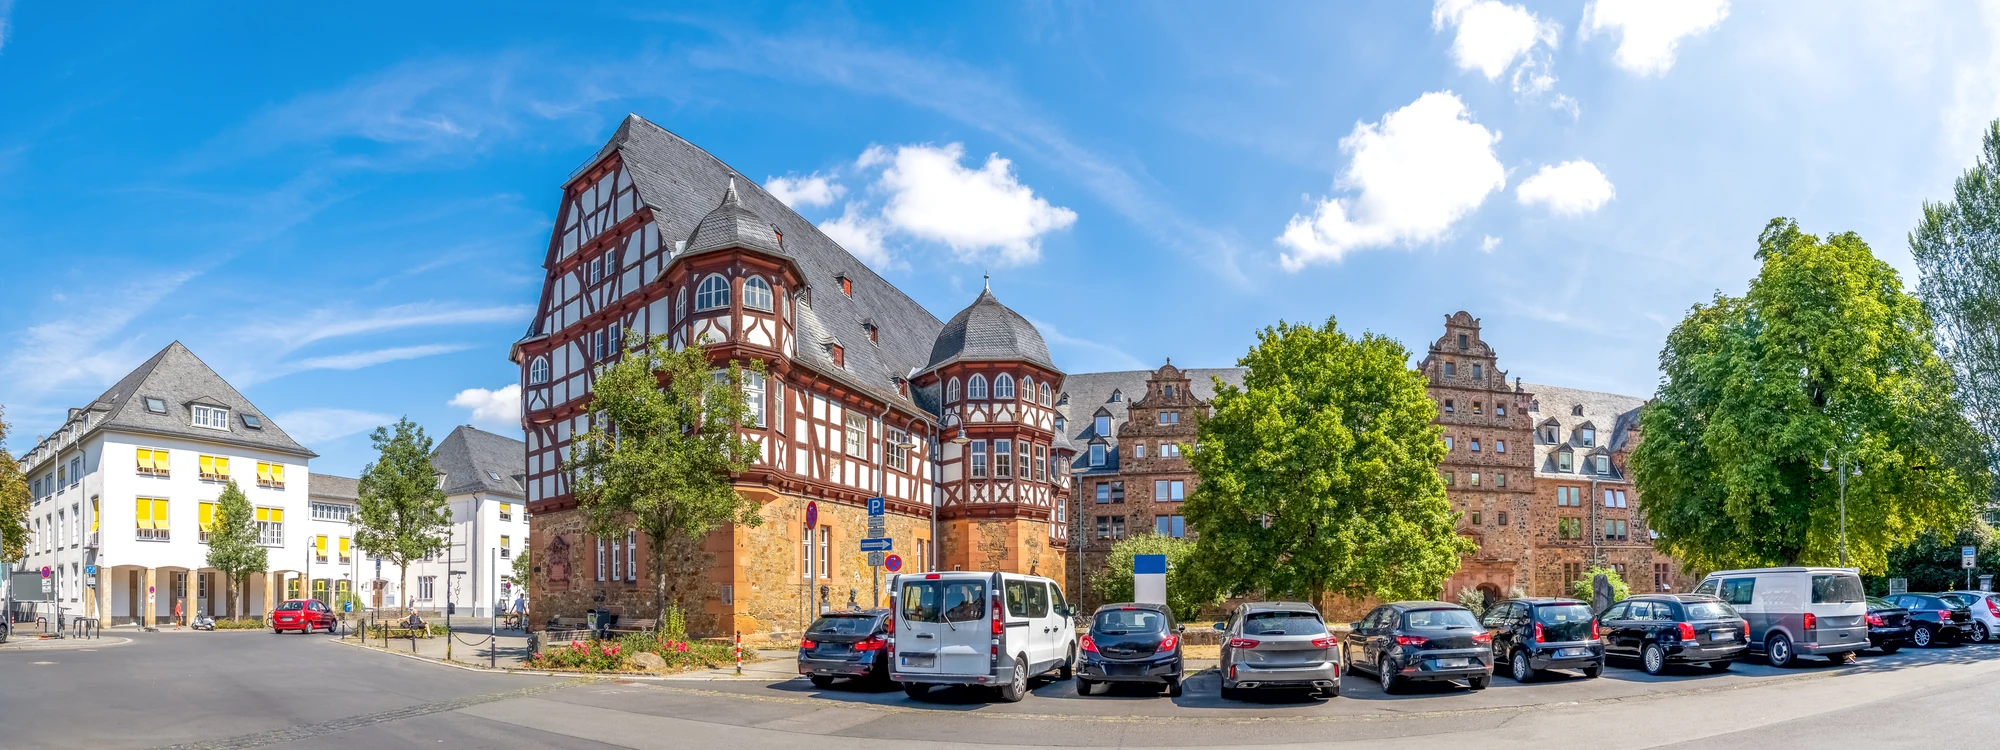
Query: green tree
[1824,359]
[1586,587]
[522,568]
[1957,248]
[402,516]
[1933,562]
[13,501]
[232,542]
[1320,475]
[1186,596]
[659,455]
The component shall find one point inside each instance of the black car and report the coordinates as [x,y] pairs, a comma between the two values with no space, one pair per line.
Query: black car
[1420,641]
[854,645]
[1888,625]
[1935,618]
[1131,643]
[1532,635]
[1663,629]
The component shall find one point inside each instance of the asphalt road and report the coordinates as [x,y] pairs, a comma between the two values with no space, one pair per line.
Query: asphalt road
[256,689]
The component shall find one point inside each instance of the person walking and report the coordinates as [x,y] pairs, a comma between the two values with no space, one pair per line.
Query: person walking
[177,614]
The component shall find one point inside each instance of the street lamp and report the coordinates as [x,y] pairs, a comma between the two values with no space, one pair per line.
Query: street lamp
[1841,476]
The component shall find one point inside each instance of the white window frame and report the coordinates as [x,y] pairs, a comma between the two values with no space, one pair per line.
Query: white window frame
[975,388]
[855,426]
[211,417]
[757,294]
[631,555]
[709,296]
[1097,454]
[1044,386]
[1003,387]
[976,450]
[951,391]
[1003,459]
[753,393]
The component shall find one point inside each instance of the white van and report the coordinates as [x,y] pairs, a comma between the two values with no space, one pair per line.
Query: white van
[1792,611]
[964,628]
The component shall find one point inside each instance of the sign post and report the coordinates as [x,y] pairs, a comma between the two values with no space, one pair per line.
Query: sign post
[876,532]
[1967,560]
[1149,579]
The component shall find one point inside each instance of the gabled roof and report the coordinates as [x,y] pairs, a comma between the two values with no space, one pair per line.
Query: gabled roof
[330,487]
[179,378]
[681,183]
[987,331]
[1090,391]
[474,460]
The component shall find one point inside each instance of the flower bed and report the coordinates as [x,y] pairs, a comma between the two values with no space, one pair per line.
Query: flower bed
[617,655]
[246,623]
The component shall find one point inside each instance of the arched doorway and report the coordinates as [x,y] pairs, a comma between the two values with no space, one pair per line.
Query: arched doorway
[1489,595]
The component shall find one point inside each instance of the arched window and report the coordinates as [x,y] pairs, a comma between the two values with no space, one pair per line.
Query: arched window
[680,305]
[538,371]
[757,294]
[1003,386]
[976,387]
[1045,393]
[713,294]
[1027,389]
[951,391]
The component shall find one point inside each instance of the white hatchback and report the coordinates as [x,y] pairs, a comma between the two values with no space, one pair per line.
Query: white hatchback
[1985,606]
[966,628]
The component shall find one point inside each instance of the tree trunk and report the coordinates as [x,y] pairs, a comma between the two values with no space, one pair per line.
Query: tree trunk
[403,584]
[659,555]
[229,582]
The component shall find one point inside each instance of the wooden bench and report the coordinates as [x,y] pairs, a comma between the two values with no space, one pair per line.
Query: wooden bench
[634,626]
[402,629]
[567,623]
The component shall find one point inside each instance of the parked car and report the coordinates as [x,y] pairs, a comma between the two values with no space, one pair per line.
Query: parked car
[1278,646]
[992,629]
[1409,642]
[1793,611]
[1985,606]
[1937,618]
[853,645]
[1665,629]
[1131,643]
[1888,625]
[303,615]
[1534,635]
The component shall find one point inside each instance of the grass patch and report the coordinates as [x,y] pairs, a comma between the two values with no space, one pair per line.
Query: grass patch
[240,623]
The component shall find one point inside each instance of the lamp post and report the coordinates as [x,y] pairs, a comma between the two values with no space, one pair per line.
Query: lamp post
[1840,475]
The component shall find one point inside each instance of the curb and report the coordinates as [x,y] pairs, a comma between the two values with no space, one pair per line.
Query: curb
[65,644]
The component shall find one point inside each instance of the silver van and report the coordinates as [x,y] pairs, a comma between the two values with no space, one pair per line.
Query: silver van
[1793,611]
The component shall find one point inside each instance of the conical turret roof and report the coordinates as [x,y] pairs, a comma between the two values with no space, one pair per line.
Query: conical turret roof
[734,225]
[988,331]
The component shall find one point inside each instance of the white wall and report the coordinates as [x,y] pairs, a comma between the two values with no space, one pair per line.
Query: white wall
[475,537]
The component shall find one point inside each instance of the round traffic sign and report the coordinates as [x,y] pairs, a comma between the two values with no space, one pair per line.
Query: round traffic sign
[46,571]
[149,590]
[812,514]
[893,563]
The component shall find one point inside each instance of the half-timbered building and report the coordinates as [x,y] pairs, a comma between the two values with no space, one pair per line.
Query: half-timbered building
[865,394]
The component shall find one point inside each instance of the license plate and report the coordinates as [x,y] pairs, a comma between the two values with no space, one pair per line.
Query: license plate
[920,660]
[832,649]
[1451,663]
[1723,635]
[1567,653]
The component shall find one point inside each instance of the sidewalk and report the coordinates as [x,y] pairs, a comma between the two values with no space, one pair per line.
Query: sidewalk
[469,644]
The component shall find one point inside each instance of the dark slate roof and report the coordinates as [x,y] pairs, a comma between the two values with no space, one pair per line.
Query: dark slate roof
[1608,413]
[988,331]
[178,377]
[1089,391]
[682,183]
[474,460]
[330,487]
[731,225]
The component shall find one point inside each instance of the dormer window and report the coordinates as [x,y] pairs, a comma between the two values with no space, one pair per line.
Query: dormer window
[156,405]
[252,422]
[1097,454]
[846,284]
[839,357]
[1117,396]
[1565,461]
[214,418]
[1576,411]
[1587,436]
[1059,425]
[871,329]
[1603,464]
[1102,424]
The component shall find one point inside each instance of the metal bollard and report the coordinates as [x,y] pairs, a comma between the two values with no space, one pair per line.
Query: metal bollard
[739,652]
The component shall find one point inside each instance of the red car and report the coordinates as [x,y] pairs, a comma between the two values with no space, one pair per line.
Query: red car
[302,615]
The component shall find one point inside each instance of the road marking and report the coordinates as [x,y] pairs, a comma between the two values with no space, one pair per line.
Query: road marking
[304,731]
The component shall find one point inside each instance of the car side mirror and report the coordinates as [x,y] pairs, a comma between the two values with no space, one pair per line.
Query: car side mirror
[1222,626]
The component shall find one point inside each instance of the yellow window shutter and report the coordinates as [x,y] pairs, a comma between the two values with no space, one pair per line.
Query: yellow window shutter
[208,464]
[143,511]
[145,459]
[278,473]
[343,546]
[160,462]
[319,543]
[160,514]
[277,515]
[208,516]
[93,515]
[263,472]
[222,465]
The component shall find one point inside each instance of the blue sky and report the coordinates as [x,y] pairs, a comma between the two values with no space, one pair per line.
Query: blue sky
[344,211]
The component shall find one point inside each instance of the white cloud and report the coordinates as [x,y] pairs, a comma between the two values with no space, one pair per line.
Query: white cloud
[6,10]
[310,426]
[1418,171]
[1975,99]
[1489,243]
[811,191]
[1492,35]
[1105,355]
[80,348]
[358,360]
[492,409]
[863,235]
[1650,29]
[1567,189]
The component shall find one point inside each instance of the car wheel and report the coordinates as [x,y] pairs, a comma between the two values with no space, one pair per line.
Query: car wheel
[1924,637]
[1085,687]
[1979,634]
[277,631]
[1519,666]
[1889,648]
[915,689]
[1779,651]
[1391,684]
[1480,682]
[1654,658]
[1719,666]
[1174,687]
[1591,672]
[822,681]
[1068,668]
[1017,688]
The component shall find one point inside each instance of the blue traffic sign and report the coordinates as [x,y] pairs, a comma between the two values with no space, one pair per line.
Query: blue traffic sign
[893,563]
[812,515]
[877,545]
[875,506]
[90,570]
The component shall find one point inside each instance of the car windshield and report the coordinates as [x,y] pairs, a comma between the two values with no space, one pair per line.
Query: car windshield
[1931,602]
[1558,614]
[1709,611]
[291,606]
[938,601]
[1283,623]
[1836,588]
[1439,619]
[844,625]
[1123,621]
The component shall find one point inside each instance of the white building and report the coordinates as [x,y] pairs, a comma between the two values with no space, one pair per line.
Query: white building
[482,476]
[127,486]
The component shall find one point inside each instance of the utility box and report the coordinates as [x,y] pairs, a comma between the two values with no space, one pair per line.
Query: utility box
[1149,579]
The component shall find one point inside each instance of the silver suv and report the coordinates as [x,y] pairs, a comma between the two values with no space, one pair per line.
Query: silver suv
[1281,645]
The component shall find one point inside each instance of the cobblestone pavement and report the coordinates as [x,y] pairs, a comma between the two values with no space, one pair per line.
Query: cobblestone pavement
[256,689]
